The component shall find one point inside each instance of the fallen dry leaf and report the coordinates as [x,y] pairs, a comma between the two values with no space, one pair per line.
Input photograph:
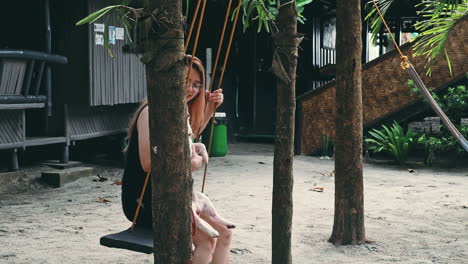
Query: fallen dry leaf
[102,200]
[317,189]
[117,183]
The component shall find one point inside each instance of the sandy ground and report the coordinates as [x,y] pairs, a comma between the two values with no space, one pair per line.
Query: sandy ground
[419,217]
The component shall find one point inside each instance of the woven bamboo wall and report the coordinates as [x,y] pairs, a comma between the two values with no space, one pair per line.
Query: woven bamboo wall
[11,76]
[384,89]
[86,122]
[11,129]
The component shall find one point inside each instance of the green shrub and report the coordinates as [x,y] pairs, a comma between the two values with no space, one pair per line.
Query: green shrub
[394,141]
[327,146]
[440,144]
[454,102]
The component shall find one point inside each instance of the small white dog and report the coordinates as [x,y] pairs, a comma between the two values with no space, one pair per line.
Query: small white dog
[201,204]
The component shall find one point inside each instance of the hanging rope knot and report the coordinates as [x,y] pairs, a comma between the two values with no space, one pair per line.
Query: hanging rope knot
[404,62]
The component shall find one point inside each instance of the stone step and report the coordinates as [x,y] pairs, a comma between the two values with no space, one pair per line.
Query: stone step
[57,178]
[61,166]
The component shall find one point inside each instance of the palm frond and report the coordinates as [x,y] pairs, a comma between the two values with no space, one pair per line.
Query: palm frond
[440,6]
[440,17]
[372,15]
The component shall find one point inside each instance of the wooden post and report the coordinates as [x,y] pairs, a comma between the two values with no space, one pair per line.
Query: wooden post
[14,160]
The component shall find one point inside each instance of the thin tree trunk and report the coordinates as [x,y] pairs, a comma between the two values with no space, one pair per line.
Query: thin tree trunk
[348,226]
[284,67]
[171,178]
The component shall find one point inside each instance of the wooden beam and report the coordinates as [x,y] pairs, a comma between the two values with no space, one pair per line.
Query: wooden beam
[21,106]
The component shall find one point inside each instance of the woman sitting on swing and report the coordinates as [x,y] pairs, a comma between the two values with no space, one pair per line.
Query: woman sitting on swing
[207,249]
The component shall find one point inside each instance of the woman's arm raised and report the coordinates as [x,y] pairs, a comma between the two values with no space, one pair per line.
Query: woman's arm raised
[215,99]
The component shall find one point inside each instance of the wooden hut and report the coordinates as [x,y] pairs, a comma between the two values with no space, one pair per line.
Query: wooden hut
[91,93]
[102,83]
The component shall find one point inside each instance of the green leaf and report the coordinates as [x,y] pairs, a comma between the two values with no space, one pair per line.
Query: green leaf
[302,3]
[449,64]
[91,18]
[265,11]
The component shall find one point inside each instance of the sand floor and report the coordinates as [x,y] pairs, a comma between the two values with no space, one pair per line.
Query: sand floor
[419,217]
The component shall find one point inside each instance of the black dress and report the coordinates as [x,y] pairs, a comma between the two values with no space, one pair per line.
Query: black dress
[132,184]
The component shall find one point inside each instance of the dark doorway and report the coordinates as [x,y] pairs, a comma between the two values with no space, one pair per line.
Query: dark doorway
[257,87]
[23,25]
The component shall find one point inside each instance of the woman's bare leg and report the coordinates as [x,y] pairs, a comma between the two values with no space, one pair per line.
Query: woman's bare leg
[204,248]
[223,243]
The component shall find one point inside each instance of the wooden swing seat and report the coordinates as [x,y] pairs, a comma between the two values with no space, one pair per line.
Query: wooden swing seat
[139,239]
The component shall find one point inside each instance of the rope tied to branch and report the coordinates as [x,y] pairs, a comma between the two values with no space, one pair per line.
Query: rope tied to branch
[285,46]
[404,59]
[406,65]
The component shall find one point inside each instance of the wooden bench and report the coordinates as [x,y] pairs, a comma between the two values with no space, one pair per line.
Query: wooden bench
[23,86]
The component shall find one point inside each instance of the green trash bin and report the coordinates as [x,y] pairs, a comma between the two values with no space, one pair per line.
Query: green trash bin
[219,146]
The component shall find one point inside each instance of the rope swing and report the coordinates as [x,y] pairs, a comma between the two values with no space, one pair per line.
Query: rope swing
[194,49]
[138,238]
[220,81]
[406,65]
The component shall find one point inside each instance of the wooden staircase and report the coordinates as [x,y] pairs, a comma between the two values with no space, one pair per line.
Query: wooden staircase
[384,91]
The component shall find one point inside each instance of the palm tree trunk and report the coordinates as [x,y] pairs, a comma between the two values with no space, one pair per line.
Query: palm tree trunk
[171,178]
[348,226]
[284,67]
